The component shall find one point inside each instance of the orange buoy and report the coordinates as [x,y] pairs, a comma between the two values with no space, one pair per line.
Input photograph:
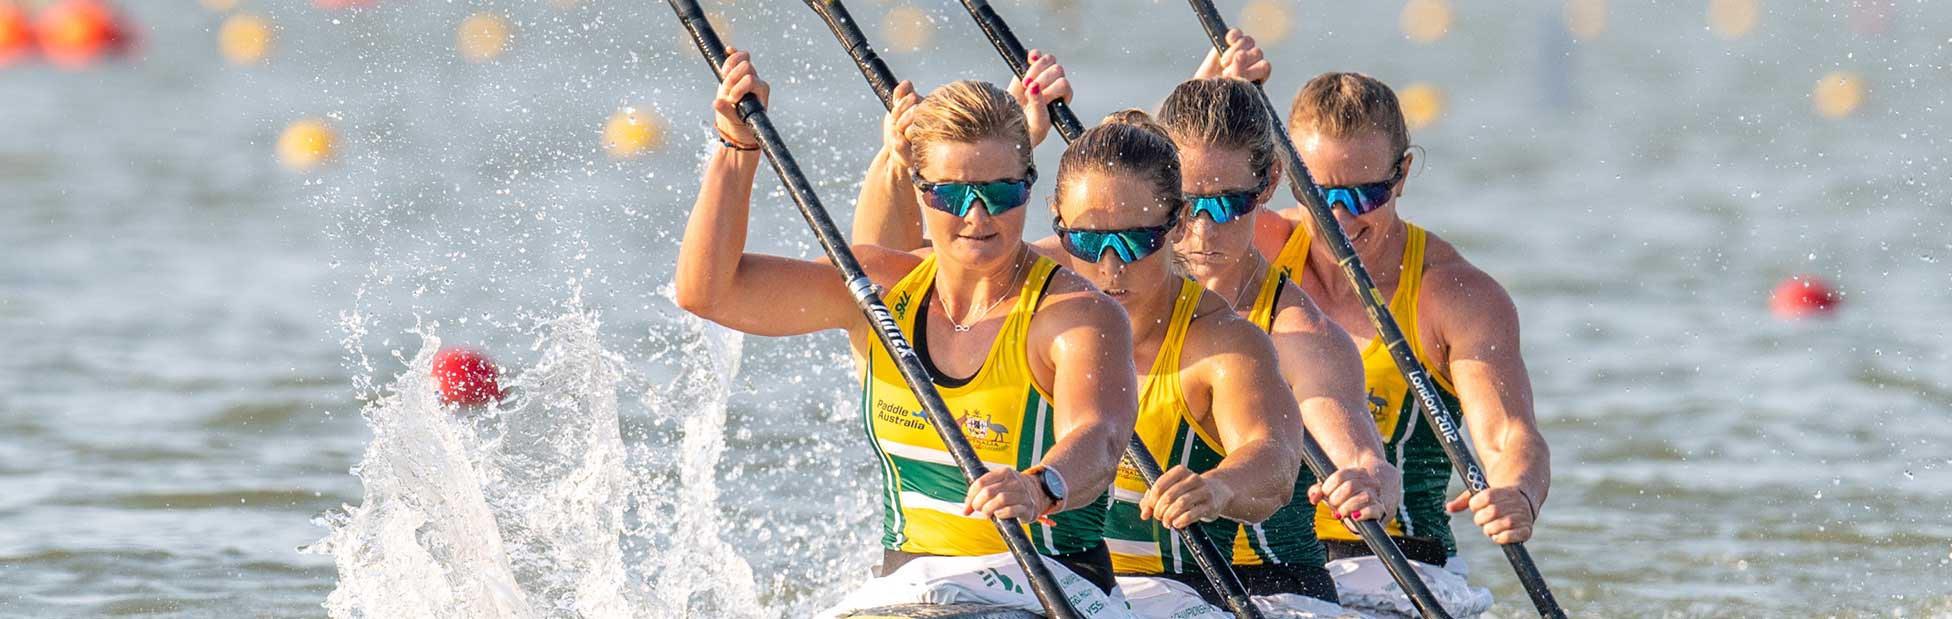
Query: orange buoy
[466,377]
[1265,20]
[16,33]
[244,39]
[306,144]
[1425,21]
[1803,296]
[907,28]
[1838,94]
[482,37]
[1732,19]
[75,33]
[1422,104]
[632,131]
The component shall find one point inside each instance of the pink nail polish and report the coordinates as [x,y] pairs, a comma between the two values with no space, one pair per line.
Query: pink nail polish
[1034,88]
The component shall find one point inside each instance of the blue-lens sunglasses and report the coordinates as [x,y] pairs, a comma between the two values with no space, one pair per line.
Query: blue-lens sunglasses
[1226,207]
[1360,199]
[956,198]
[1131,244]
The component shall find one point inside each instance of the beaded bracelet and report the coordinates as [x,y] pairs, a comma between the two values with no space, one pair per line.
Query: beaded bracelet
[727,141]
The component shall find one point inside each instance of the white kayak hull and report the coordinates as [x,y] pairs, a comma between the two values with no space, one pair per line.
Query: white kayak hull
[942,611]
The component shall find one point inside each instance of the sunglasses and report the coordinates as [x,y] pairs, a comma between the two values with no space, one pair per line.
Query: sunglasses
[1360,199]
[1229,206]
[956,198]
[1131,244]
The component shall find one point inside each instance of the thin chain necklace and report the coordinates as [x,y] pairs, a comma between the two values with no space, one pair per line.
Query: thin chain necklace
[1246,284]
[979,315]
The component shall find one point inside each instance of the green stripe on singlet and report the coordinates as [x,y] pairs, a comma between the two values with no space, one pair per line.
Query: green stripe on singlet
[1416,450]
[892,525]
[941,482]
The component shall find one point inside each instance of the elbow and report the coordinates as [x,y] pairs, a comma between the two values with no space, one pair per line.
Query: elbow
[695,297]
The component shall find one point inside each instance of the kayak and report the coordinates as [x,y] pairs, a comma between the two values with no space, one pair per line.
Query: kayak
[942,611]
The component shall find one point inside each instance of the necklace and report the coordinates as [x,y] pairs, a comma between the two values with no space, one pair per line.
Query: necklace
[1246,284]
[977,315]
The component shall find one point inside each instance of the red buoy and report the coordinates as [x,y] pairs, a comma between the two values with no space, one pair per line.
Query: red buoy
[16,33]
[466,377]
[76,33]
[1803,296]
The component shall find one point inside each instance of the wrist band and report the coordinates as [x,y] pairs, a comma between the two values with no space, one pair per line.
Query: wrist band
[728,143]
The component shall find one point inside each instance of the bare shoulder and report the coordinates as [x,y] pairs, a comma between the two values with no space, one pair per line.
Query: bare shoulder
[885,265]
[1458,293]
[1049,247]
[1296,314]
[1220,333]
[1307,340]
[1071,301]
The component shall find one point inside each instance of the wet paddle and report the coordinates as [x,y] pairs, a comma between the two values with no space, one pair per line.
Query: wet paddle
[1435,411]
[1056,605]
[1216,567]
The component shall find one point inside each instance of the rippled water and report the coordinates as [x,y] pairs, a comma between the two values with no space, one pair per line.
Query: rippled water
[201,345]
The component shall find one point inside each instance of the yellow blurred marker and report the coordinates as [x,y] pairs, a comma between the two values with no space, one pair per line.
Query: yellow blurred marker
[482,37]
[631,131]
[220,5]
[1586,19]
[1426,21]
[244,39]
[1265,20]
[907,29]
[1838,94]
[306,144]
[1732,19]
[1422,104]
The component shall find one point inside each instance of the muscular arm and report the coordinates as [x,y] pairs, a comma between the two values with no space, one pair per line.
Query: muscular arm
[886,212]
[1478,325]
[1253,417]
[1086,340]
[757,294]
[1324,373]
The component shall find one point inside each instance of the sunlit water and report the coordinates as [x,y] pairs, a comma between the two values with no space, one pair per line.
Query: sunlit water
[212,363]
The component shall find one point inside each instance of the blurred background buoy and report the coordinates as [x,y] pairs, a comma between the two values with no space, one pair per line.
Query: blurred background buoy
[1838,94]
[75,33]
[1732,19]
[907,29]
[306,144]
[1422,104]
[632,131]
[1426,21]
[1586,19]
[219,6]
[16,33]
[334,5]
[466,377]
[482,37]
[1803,296]
[1265,20]
[244,39]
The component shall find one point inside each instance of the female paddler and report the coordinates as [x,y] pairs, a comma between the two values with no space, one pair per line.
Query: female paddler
[1215,406]
[1035,362]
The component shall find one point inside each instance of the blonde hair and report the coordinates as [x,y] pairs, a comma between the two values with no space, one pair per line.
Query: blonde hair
[967,112]
[1345,105]
[1221,113]
[1127,142]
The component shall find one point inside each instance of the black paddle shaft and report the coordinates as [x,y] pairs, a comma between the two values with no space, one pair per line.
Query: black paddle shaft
[1013,52]
[1218,570]
[1434,410]
[1056,605]
[1378,539]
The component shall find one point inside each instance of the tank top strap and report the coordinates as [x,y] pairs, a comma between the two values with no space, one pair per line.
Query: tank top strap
[1032,294]
[1268,299]
[904,299]
[1408,285]
[1293,259]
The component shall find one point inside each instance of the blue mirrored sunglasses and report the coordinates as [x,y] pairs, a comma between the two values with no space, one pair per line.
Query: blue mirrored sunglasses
[1226,207]
[1131,244]
[956,198]
[1360,199]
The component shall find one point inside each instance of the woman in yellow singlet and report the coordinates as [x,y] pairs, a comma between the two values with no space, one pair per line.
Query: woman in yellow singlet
[1035,363]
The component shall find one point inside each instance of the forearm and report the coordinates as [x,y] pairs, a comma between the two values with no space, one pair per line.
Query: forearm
[1523,461]
[1087,458]
[1261,476]
[886,212]
[1347,435]
[715,235]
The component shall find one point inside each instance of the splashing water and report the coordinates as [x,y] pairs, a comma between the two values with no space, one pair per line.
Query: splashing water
[533,510]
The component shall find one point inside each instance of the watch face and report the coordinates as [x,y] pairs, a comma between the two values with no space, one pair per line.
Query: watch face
[1052,483]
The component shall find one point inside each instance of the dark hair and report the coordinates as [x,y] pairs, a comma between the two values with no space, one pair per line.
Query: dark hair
[1221,113]
[1127,142]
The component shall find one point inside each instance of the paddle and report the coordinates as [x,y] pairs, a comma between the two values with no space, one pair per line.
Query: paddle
[1056,605]
[1372,533]
[1435,411]
[883,81]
